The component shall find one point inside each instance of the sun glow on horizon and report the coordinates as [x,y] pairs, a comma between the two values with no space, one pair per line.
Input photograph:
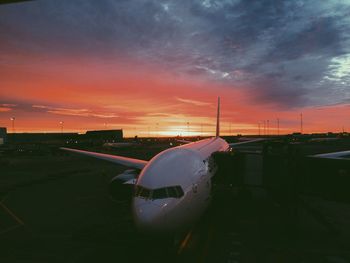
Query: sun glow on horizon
[153,103]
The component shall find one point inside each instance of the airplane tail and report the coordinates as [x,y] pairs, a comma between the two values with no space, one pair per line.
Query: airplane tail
[218,119]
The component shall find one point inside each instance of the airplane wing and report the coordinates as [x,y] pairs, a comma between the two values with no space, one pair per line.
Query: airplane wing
[245,142]
[343,155]
[129,162]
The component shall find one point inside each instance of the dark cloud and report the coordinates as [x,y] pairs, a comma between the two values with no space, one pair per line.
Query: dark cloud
[288,53]
[274,90]
[321,37]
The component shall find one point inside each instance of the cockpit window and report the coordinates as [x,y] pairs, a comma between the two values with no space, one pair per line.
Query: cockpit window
[142,192]
[171,192]
[179,191]
[160,193]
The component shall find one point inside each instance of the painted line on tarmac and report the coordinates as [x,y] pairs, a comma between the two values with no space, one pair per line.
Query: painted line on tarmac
[210,235]
[184,242]
[10,229]
[19,221]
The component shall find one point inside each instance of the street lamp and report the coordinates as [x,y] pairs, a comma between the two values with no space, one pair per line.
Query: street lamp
[157,125]
[61,124]
[13,124]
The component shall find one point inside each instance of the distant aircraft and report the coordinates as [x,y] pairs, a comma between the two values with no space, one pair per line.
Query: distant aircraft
[343,155]
[173,189]
[119,144]
[321,139]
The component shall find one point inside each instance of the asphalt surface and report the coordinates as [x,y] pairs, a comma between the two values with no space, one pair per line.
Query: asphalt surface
[56,208]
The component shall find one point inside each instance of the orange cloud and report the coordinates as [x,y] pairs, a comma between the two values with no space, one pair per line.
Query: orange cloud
[88,94]
[193,102]
[4,109]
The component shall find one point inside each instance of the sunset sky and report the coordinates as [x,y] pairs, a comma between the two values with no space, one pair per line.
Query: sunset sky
[157,67]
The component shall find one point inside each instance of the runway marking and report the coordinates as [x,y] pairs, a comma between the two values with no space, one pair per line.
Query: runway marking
[207,243]
[10,229]
[184,242]
[19,221]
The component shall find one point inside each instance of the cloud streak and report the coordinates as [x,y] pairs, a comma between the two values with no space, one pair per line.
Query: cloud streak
[75,112]
[193,102]
[293,50]
[129,60]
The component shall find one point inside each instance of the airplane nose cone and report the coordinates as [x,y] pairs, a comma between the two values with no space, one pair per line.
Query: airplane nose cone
[147,215]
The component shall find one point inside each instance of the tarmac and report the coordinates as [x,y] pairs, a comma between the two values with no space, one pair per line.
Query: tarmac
[55,207]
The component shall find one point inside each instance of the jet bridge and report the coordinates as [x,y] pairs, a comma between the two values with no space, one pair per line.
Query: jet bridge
[285,173]
[238,168]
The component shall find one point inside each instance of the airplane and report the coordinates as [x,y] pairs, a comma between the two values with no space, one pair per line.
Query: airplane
[323,139]
[119,144]
[342,155]
[173,189]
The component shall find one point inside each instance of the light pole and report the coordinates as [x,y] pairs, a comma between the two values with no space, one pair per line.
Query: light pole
[278,126]
[301,123]
[61,124]
[188,129]
[13,124]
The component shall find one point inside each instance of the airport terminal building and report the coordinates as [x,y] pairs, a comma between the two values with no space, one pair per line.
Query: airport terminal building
[105,135]
[3,135]
[90,137]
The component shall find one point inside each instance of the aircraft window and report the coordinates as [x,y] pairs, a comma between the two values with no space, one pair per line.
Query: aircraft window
[168,192]
[172,192]
[145,193]
[142,192]
[179,191]
[159,193]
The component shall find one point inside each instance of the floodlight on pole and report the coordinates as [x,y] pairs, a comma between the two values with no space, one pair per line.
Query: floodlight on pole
[301,123]
[13,124]
[61,124]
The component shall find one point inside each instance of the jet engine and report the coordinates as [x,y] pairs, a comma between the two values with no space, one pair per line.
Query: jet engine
[121,186]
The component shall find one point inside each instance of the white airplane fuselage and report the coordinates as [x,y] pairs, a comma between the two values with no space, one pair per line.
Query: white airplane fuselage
[159,205]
